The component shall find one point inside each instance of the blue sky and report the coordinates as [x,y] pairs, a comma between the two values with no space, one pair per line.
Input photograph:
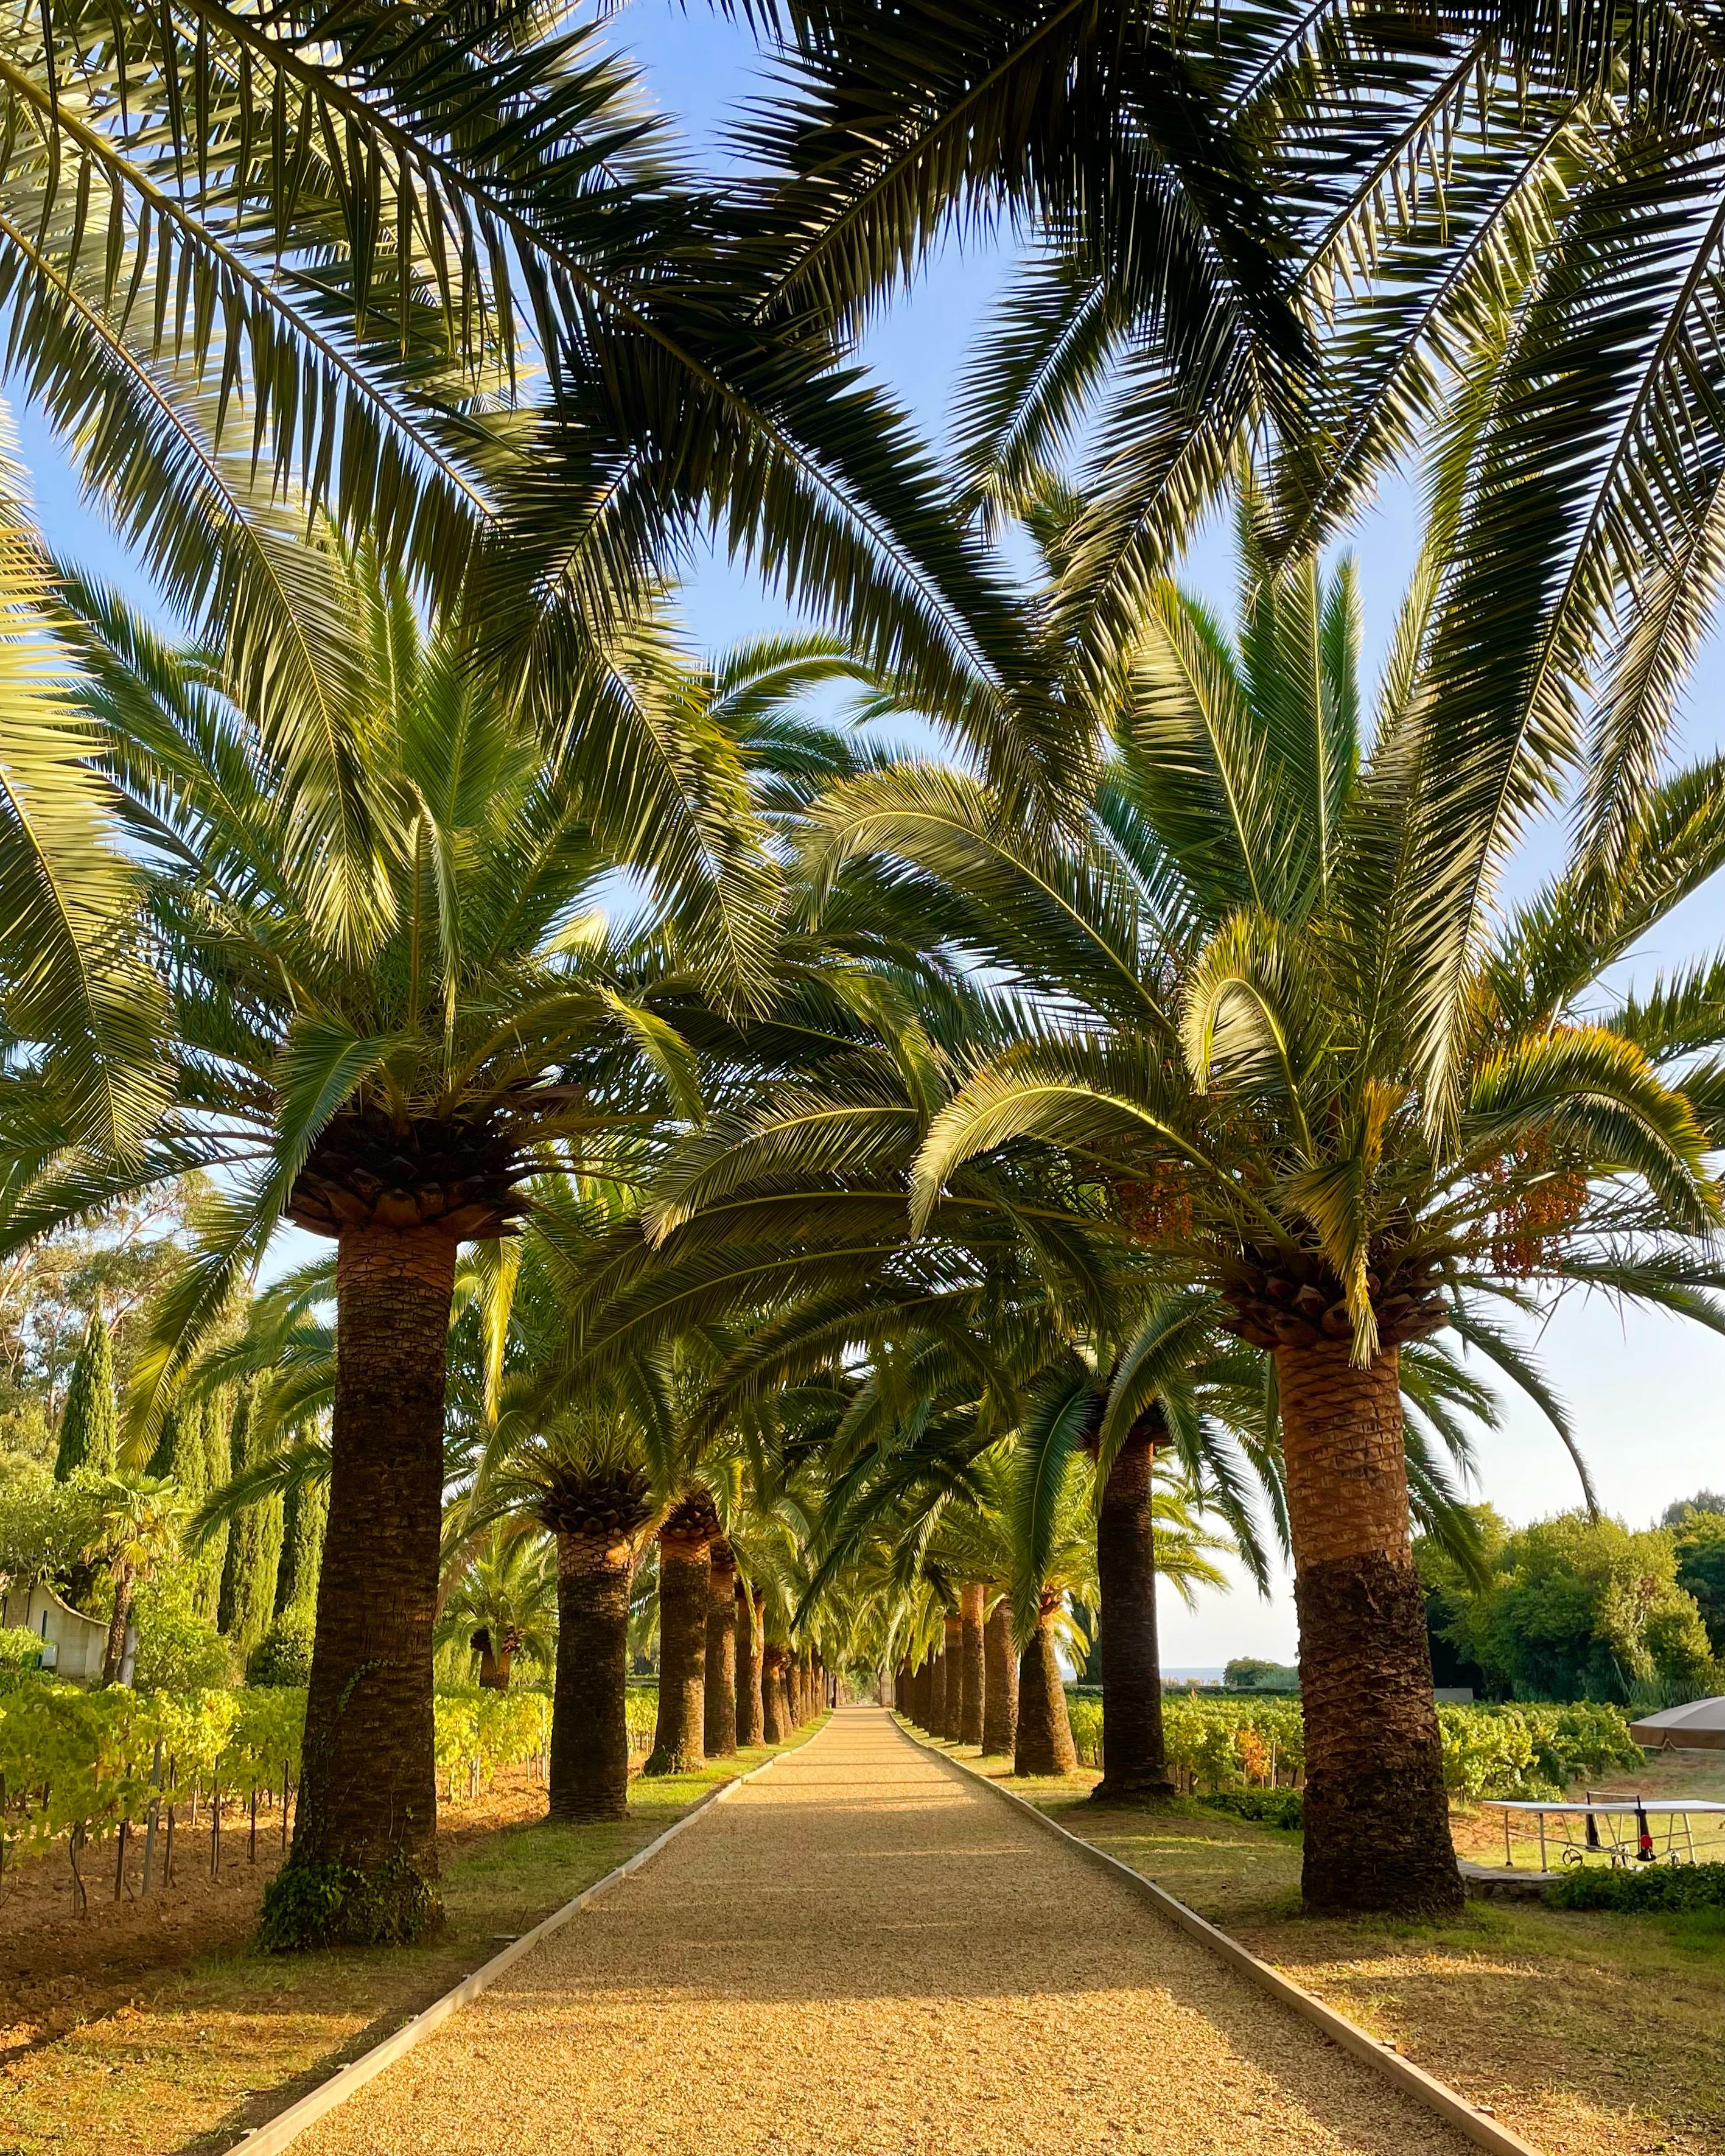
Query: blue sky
[1647,1393]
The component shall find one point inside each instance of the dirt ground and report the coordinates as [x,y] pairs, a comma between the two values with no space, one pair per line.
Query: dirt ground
[60,1966]
[152,2028]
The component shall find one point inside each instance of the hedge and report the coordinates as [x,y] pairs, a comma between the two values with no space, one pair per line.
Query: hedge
[1512,1751]
[1647,1889]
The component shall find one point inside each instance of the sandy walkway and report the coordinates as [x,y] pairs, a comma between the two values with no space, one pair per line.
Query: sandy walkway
[859,1952]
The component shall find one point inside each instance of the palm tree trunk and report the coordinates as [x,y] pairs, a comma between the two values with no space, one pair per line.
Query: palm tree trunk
[773,1714]
[973,1672]
[1376,1816]
[1043,1743]
[1000,1688]
[589,1718]
[1134,1763]
[937,1720]
[953,1694]
[363,1865]
[749,1721]
[685,1573]
[494,1667]
[720,1706]
[114,1654]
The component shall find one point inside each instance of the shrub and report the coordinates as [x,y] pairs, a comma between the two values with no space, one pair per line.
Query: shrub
[1283,1807]
[283,1656]
[1646,1891]
[178,1650]
[1086,1716]
[19,1648]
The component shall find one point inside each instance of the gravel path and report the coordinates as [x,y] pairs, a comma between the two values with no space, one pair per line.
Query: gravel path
[859,1951]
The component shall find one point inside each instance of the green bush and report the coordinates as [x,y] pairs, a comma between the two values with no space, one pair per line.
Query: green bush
[19,1648]
[283,1656]
[179,1648]
[330,1905]
[1283,1807]
[1085,1716]
[1648,1890]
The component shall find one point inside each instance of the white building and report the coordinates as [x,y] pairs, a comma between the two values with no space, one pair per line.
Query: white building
[73,1645]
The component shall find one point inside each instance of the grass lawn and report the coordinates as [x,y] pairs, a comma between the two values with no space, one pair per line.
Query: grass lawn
[205,2037]
[1591,2035]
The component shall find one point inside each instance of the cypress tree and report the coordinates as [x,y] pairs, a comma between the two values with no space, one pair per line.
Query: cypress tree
[218,1468]
[249,1577]
[89,1422]
[305,1511]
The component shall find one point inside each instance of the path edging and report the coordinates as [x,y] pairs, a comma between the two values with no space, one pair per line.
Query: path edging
[287,2126]
[1425,2088]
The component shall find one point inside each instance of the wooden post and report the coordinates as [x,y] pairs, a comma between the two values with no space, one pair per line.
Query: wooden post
[120,1861]
[215,1831]
[150,1818]
[252,1853]
[284,1803]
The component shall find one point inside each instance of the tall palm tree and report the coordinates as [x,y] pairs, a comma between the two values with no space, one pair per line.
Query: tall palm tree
[1477,203]
[451,285]
[1274,1036]
[389,1011]
[77,1000]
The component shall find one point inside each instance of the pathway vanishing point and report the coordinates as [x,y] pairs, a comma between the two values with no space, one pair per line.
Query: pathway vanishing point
[859,1951]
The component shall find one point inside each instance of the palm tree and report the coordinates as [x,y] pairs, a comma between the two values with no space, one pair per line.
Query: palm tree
[1523,205]
[388,1015]
[331,274]
[79,1002]
[503,1603]
[1287,1054]
[134,1526]
[1060,1553]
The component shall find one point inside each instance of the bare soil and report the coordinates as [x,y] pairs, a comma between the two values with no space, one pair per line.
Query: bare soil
[62,1965]
[150,2026]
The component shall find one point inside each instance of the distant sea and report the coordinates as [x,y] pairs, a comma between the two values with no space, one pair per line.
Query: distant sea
[1193,1676]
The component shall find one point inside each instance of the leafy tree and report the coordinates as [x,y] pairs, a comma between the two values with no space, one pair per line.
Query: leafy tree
[42,1520]
[1699,1537]
[1248,1671]
[1580,1608]
[89,1422]
[1703,1501]
[178,1650]
[305,1513]
[217,1467]
[50,1291]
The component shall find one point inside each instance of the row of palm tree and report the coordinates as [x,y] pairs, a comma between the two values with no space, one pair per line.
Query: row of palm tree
[1161,1081]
